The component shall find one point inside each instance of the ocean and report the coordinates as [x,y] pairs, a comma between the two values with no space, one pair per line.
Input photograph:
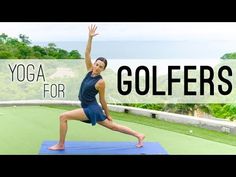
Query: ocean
[151,49]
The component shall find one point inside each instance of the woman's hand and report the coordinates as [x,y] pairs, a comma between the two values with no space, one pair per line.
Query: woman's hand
[109,118]
[92,30]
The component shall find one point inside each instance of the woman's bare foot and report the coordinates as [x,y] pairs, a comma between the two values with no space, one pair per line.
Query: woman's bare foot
[140,141]
[57,147]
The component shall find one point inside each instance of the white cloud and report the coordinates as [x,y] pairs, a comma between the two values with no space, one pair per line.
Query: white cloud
[76,31]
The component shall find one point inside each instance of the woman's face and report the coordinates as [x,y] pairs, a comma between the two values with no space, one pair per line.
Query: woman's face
[98,67]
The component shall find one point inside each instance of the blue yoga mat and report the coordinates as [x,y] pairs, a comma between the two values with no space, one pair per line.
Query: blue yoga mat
[103,148]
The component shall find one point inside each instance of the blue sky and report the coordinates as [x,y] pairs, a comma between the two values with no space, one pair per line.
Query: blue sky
[165,31]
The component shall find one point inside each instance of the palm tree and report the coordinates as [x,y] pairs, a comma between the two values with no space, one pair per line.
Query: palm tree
[3,37]
[24,39]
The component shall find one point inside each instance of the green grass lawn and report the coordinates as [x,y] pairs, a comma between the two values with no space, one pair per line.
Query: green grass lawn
[24,128]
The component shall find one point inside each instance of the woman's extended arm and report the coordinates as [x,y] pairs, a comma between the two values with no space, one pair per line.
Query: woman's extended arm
[92,33]
[100,86]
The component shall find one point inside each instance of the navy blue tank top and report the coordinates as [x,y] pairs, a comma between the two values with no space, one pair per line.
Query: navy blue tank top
[88,91]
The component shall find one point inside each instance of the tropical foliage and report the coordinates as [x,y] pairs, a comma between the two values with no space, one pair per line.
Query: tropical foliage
[13,48]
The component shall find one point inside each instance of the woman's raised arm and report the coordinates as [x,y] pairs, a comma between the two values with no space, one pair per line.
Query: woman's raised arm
[92,33]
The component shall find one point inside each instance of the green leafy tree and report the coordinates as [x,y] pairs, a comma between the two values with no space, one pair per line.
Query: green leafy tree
[5,55]
[52,45]
[24,51]
[3,38]
[39,52]
[74,54]
[62,54]
[229,56]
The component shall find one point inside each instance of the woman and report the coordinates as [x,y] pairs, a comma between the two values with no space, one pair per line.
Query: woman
[91,111]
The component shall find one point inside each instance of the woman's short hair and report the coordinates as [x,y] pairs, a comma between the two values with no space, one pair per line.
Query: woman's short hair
[104,60]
